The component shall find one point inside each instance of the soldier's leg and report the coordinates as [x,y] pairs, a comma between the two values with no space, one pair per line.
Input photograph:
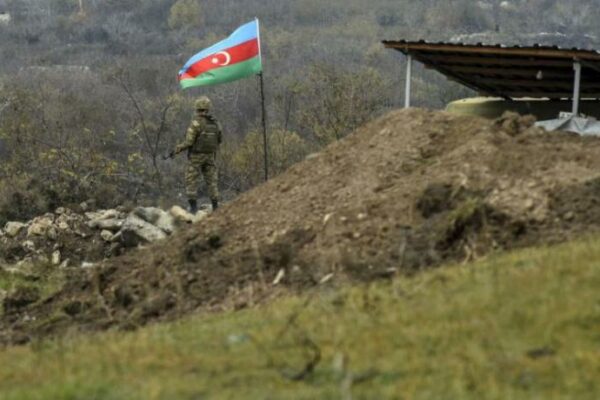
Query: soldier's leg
[192,181]
[209,170]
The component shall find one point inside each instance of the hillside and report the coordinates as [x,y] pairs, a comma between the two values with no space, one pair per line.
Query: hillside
[517,326]
[89,98]
[411,190]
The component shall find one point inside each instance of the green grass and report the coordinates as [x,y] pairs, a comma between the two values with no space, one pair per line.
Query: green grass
[524,325]
[44,278]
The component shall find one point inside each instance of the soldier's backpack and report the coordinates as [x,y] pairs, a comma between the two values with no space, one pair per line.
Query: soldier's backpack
[208,139]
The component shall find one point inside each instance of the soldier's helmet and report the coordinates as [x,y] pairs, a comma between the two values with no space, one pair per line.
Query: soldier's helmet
[203,103]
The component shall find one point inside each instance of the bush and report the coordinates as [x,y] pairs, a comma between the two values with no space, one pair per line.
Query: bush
[242,164]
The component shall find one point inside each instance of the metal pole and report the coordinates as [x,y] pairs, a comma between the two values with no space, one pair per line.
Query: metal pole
[264,124]
[576,88]
[408,82]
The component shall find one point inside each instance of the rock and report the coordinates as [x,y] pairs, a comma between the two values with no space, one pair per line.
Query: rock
[103,214]
[12,229]
[60,211]
[106,235]
[180,215]
[149,214]
[39,226]
[111,224]
[63,226]
[63,222]
[51,233]
[569,216]
[279,277]
[166,223]
[84,206]
[28,246]
[205,207]
[41,259]
[117,238]
[136,231]
[56,257]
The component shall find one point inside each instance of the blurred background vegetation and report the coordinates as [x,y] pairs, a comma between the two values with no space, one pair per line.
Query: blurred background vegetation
[89,99]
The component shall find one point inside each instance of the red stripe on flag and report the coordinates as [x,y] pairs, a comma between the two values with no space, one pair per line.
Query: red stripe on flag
[225,58]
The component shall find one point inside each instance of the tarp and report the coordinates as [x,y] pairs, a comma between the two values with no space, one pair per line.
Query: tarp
[581,125]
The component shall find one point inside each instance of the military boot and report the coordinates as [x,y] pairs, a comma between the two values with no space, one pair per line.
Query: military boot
[215,204]
[193,206]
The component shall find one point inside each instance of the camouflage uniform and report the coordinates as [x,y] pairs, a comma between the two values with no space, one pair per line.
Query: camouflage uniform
[202,141]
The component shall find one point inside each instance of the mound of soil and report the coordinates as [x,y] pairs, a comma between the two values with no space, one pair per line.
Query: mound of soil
[413,189]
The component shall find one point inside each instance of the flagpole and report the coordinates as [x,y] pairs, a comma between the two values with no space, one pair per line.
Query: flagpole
[264,124]
[264,108]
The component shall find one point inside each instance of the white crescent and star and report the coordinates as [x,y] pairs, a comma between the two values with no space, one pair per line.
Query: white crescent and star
[216,59]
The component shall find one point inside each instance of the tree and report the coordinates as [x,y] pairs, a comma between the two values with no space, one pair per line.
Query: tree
[185,14]
[241,164]
[335,102]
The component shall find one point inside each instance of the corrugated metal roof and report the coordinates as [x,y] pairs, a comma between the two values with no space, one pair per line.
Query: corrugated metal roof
[509,71]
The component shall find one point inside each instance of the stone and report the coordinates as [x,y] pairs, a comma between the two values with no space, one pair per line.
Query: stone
[56,258]
[60,211]
[28,246]
[180,215]
[149,214]
[103,214]
[117,237]
[12,229]
[51,233]
[111,224]
[206,207]
[63,226]
[166,223]
[279,277]
[569,216]
[136,231]
[39,226]
[106,235]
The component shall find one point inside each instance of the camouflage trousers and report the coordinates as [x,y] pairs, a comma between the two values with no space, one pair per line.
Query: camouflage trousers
[201,164]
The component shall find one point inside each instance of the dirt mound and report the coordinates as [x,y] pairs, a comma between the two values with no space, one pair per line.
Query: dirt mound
[408,191]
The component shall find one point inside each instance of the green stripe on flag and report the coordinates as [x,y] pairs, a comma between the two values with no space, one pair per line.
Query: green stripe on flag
[230,73]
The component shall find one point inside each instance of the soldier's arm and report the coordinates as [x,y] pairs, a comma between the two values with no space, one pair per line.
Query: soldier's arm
[190,136]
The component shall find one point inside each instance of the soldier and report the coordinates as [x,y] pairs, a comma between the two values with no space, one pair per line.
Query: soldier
[202,141]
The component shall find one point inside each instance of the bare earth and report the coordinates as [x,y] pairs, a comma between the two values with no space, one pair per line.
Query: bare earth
[412,190]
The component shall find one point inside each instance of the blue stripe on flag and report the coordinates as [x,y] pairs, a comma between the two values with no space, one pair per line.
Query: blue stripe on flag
[243,34]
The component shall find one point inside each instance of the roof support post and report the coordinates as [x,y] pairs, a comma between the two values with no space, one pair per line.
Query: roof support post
[576,88]
[408,81]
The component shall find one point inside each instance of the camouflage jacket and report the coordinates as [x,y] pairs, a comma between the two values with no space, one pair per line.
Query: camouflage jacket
[203,136]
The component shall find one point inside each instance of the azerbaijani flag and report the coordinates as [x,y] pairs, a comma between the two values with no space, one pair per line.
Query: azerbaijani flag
[234,58]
